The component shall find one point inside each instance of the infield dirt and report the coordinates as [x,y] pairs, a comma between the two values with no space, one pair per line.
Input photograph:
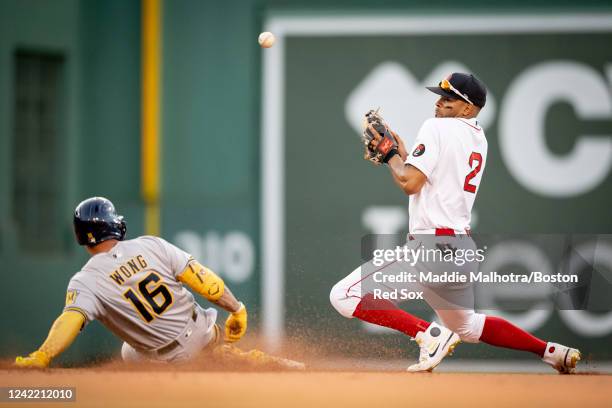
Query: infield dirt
[159,386]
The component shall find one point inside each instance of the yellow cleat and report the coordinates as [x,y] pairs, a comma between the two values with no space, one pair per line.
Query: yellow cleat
[37,359]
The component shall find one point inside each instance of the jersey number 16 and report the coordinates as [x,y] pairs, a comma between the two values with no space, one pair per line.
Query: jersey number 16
[149,294]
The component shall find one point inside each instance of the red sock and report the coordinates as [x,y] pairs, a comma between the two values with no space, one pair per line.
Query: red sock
[502,333]
[385,313]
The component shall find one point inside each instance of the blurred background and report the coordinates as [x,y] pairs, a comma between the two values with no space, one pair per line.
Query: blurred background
[249,158]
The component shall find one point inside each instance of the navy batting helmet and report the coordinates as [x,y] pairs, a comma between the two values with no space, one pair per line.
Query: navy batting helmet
[95,221]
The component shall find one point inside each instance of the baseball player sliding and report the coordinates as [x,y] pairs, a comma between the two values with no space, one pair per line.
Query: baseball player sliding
[441,175]
[135,288]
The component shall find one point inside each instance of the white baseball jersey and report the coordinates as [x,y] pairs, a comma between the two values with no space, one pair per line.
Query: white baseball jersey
[134,292]
[452,153]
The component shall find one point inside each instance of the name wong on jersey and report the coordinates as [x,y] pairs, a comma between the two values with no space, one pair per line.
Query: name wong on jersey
[128,269]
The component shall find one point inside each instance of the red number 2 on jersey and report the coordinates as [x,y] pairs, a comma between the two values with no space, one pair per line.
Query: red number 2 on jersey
[475,156]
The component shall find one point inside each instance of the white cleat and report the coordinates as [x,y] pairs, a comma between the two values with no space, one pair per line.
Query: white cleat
[561,358]
[436,343]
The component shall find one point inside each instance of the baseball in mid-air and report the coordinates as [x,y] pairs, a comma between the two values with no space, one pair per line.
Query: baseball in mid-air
[266,39]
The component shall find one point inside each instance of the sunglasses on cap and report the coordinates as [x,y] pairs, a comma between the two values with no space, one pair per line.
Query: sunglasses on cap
[447,86]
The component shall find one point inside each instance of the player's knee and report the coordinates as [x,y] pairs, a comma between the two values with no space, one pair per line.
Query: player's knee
[470,329]
[341,302]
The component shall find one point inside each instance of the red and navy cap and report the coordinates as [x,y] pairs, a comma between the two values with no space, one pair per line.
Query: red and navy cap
[462,86]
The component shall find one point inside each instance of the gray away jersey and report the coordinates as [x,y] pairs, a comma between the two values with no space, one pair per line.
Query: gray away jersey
[134,292]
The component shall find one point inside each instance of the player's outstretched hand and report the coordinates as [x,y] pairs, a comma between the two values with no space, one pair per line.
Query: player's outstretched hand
[37,359]
[236,325]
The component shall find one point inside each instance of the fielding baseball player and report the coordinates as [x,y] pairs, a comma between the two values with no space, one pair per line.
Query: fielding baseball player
[135,288]
[441,176]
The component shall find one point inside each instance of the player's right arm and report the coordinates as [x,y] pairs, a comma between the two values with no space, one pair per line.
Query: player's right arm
[63,332]
[209,285]
[81,307]
[411,171]
[407,177]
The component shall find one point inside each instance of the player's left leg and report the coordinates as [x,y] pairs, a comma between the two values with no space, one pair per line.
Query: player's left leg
[475,327]
[472,327]
[501,333]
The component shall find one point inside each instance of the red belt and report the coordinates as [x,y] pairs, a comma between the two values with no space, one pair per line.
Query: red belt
[449,232]
[445,232]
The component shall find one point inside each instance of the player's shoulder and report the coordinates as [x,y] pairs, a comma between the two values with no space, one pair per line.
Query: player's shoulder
[430,127]
[145,240]
[445,123]
[92,265]
[432,122]
[456,127]
[151,243]
[472,124]
[150,240]
[83,279]
[441,125]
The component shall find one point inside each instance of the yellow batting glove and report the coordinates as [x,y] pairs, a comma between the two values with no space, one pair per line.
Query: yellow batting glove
[236,324]
[37,359]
